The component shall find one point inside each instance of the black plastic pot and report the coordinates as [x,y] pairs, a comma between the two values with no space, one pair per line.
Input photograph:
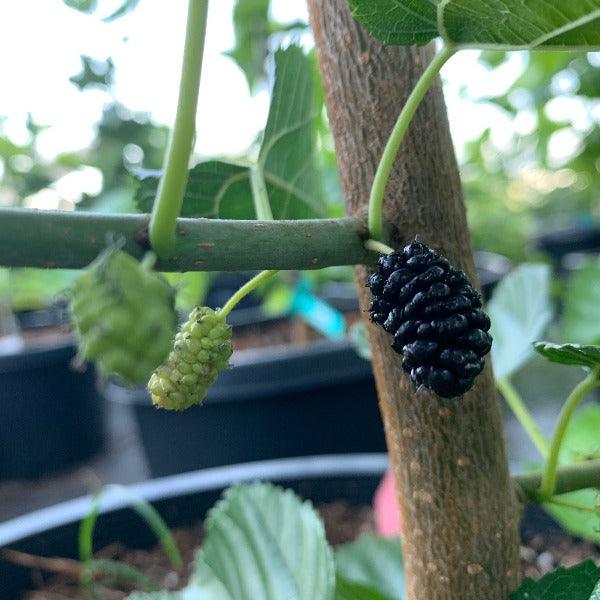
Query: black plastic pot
[51,416]
[274,403]
[182,500]
[571,240]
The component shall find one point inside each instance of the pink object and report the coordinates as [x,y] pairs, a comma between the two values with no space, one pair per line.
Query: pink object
[387,515]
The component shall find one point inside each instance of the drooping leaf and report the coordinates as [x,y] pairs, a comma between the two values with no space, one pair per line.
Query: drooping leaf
[520,312]
[264,542]
[581,320]
[348,590]
[570,354]
[576,583]
[217,189]
[497,24]
[374,562]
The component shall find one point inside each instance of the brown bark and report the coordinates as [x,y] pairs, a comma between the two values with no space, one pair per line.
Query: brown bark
[448,456]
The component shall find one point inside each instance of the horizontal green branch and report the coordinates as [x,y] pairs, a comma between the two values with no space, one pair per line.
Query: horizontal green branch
[71,240]
[570,478]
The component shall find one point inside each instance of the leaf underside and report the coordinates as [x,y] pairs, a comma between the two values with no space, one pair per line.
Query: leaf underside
[498,24]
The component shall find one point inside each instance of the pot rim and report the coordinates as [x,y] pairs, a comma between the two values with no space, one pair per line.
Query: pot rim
[164,488]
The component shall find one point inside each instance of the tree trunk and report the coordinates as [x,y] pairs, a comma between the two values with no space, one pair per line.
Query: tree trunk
[458,505]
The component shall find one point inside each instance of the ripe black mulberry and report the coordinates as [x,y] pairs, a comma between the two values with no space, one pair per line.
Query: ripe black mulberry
[434,314]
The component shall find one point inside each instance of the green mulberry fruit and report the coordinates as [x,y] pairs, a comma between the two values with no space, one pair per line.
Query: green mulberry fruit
[201,351]
[124,316]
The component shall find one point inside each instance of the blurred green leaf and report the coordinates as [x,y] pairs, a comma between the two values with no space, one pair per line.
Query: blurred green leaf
[86,6]
[251,28]
[580,443]
[576,583]
[348,590]
[126,7]
[570,354]
[34,289]
[581,320]
[374,562]
[360,341]
[94,73]
[520,311]
[596,593]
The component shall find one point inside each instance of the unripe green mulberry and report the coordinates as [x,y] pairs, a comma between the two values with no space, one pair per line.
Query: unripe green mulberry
[124,316]
[201,351]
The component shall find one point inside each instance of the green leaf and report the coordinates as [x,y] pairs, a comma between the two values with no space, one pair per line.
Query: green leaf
[403,22]
[189,593]
[497,24]
[215,189]
[580,443]
[218,189]
[583,521]
[348,590]
[581,320]
[264,542]
[576,583]
[520,311]
[287,153]
[93,73]
[374,562]
[86,6]
[570,354]
[596,593]
[125,8]
[251,27]
[521,25]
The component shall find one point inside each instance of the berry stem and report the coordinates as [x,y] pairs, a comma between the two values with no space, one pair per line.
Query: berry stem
[516,404]
[548,484]
[397,136]
[171,189]
[245,290]
[379,247]
[259,194]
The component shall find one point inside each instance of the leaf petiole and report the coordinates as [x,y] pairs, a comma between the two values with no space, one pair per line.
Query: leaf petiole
[548,484]
[397,136]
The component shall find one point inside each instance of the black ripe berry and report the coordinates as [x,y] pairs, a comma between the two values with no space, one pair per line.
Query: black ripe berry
[434,314]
